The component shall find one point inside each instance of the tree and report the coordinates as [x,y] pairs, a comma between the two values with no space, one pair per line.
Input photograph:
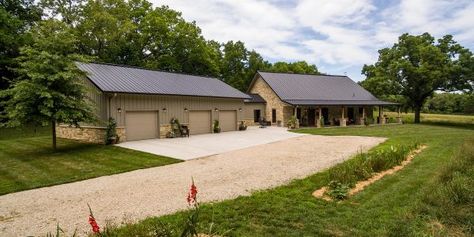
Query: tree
[51,89]
[417,66]
[16,18]
[295,67]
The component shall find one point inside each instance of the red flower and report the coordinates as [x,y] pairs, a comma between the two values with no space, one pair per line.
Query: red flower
[92,222]
[94,225]
[192,194]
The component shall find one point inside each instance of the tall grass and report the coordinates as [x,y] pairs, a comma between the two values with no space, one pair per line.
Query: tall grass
[447,205]
[364,165]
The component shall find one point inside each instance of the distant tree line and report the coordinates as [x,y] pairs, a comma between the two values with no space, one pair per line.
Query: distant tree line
[131,33]
[450,103]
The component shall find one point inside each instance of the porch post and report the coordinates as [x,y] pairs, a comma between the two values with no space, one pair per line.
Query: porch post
[399,118]
[362,120]
[318,121]
[381,118]
[342,122]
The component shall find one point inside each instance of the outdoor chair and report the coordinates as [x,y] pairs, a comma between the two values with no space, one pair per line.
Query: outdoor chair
[184,130]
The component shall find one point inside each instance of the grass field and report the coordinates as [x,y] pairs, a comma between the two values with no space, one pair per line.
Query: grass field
[27,160]
[435,118]
[396,205]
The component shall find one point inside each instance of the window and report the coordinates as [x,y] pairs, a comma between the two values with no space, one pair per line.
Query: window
[256,115]
[274,115]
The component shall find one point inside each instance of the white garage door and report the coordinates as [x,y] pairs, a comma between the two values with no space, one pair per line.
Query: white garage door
[141,125]
[199,122]
[228,120]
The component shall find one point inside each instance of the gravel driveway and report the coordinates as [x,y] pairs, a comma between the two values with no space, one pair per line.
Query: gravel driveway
[156,191]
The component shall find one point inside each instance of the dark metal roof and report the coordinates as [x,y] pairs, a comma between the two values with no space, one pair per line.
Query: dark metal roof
[123,79]
[255,98]
[338,102]
[306,89]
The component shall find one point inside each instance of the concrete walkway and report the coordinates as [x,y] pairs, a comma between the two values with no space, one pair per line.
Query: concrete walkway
[198,146]
[162,190]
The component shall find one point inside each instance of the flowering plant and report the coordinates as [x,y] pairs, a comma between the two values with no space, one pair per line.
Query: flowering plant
[190,227]
[93,222]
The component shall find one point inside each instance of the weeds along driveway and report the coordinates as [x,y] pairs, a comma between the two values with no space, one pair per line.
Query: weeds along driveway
[162,190]
[197,146]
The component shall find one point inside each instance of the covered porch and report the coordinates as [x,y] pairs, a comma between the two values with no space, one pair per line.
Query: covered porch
[341,115]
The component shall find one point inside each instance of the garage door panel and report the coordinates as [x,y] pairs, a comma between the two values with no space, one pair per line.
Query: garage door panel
[228,120]
[199,122]
[141,125]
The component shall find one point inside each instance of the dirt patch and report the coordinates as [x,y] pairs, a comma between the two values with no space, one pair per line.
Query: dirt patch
[321,193]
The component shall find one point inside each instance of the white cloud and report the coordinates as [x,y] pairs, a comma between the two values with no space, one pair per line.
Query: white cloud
[336,35]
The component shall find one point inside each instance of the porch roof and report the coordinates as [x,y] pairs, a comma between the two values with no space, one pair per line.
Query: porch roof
[339,102]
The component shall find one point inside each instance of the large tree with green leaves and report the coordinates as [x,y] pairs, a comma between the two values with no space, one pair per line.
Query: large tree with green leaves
[50,89]
[417,66]
[16,18]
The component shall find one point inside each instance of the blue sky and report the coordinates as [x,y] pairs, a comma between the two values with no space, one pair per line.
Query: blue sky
[339,36]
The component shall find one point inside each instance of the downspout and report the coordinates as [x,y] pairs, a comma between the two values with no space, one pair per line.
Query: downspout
[109,105]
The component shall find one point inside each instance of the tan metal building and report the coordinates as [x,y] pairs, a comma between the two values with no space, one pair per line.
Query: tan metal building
[143,102]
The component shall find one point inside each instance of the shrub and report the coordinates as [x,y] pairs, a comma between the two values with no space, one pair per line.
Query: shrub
[337,190]
[292,122]
[111,136]
[215,127]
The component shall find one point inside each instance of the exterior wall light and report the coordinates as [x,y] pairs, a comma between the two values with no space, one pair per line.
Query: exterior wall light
[216,109]
[240,109]
[164,110]
[119,110]
[185,109]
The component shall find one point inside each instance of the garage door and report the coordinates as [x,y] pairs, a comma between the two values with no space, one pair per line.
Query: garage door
[141,125]
[228,120]
[199,122]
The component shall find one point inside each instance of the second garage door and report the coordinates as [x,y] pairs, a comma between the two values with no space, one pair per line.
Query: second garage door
[228,120]
[199,122]
[141,125]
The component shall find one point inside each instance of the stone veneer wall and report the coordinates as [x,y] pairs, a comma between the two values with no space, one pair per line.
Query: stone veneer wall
[273,102]
[91,134]
[164,129]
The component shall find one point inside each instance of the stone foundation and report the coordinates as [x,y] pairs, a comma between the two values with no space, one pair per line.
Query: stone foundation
[90,134]
[164,129]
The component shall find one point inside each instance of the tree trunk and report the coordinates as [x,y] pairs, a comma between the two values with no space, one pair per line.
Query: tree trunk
[53,127]
[417,113]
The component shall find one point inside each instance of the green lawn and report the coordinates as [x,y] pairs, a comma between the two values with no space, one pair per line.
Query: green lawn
[27,160]
[382,209]
[435,118]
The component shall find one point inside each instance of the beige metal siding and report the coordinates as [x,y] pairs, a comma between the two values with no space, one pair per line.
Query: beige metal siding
[228,120]
[141,125]
[250,107]
[98,100]
[199,122]
[175,106]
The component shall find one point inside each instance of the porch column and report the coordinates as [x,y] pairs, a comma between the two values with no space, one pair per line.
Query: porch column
[318,120]
[342,122]
[399,117]
[362,119]
[381,118]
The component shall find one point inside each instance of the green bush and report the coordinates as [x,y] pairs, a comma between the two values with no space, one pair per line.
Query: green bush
[111,136]
[337,191]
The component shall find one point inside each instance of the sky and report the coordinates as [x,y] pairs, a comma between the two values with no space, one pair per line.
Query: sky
[338,36]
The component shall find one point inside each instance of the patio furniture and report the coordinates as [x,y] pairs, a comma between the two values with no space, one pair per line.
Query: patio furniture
[184,131]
